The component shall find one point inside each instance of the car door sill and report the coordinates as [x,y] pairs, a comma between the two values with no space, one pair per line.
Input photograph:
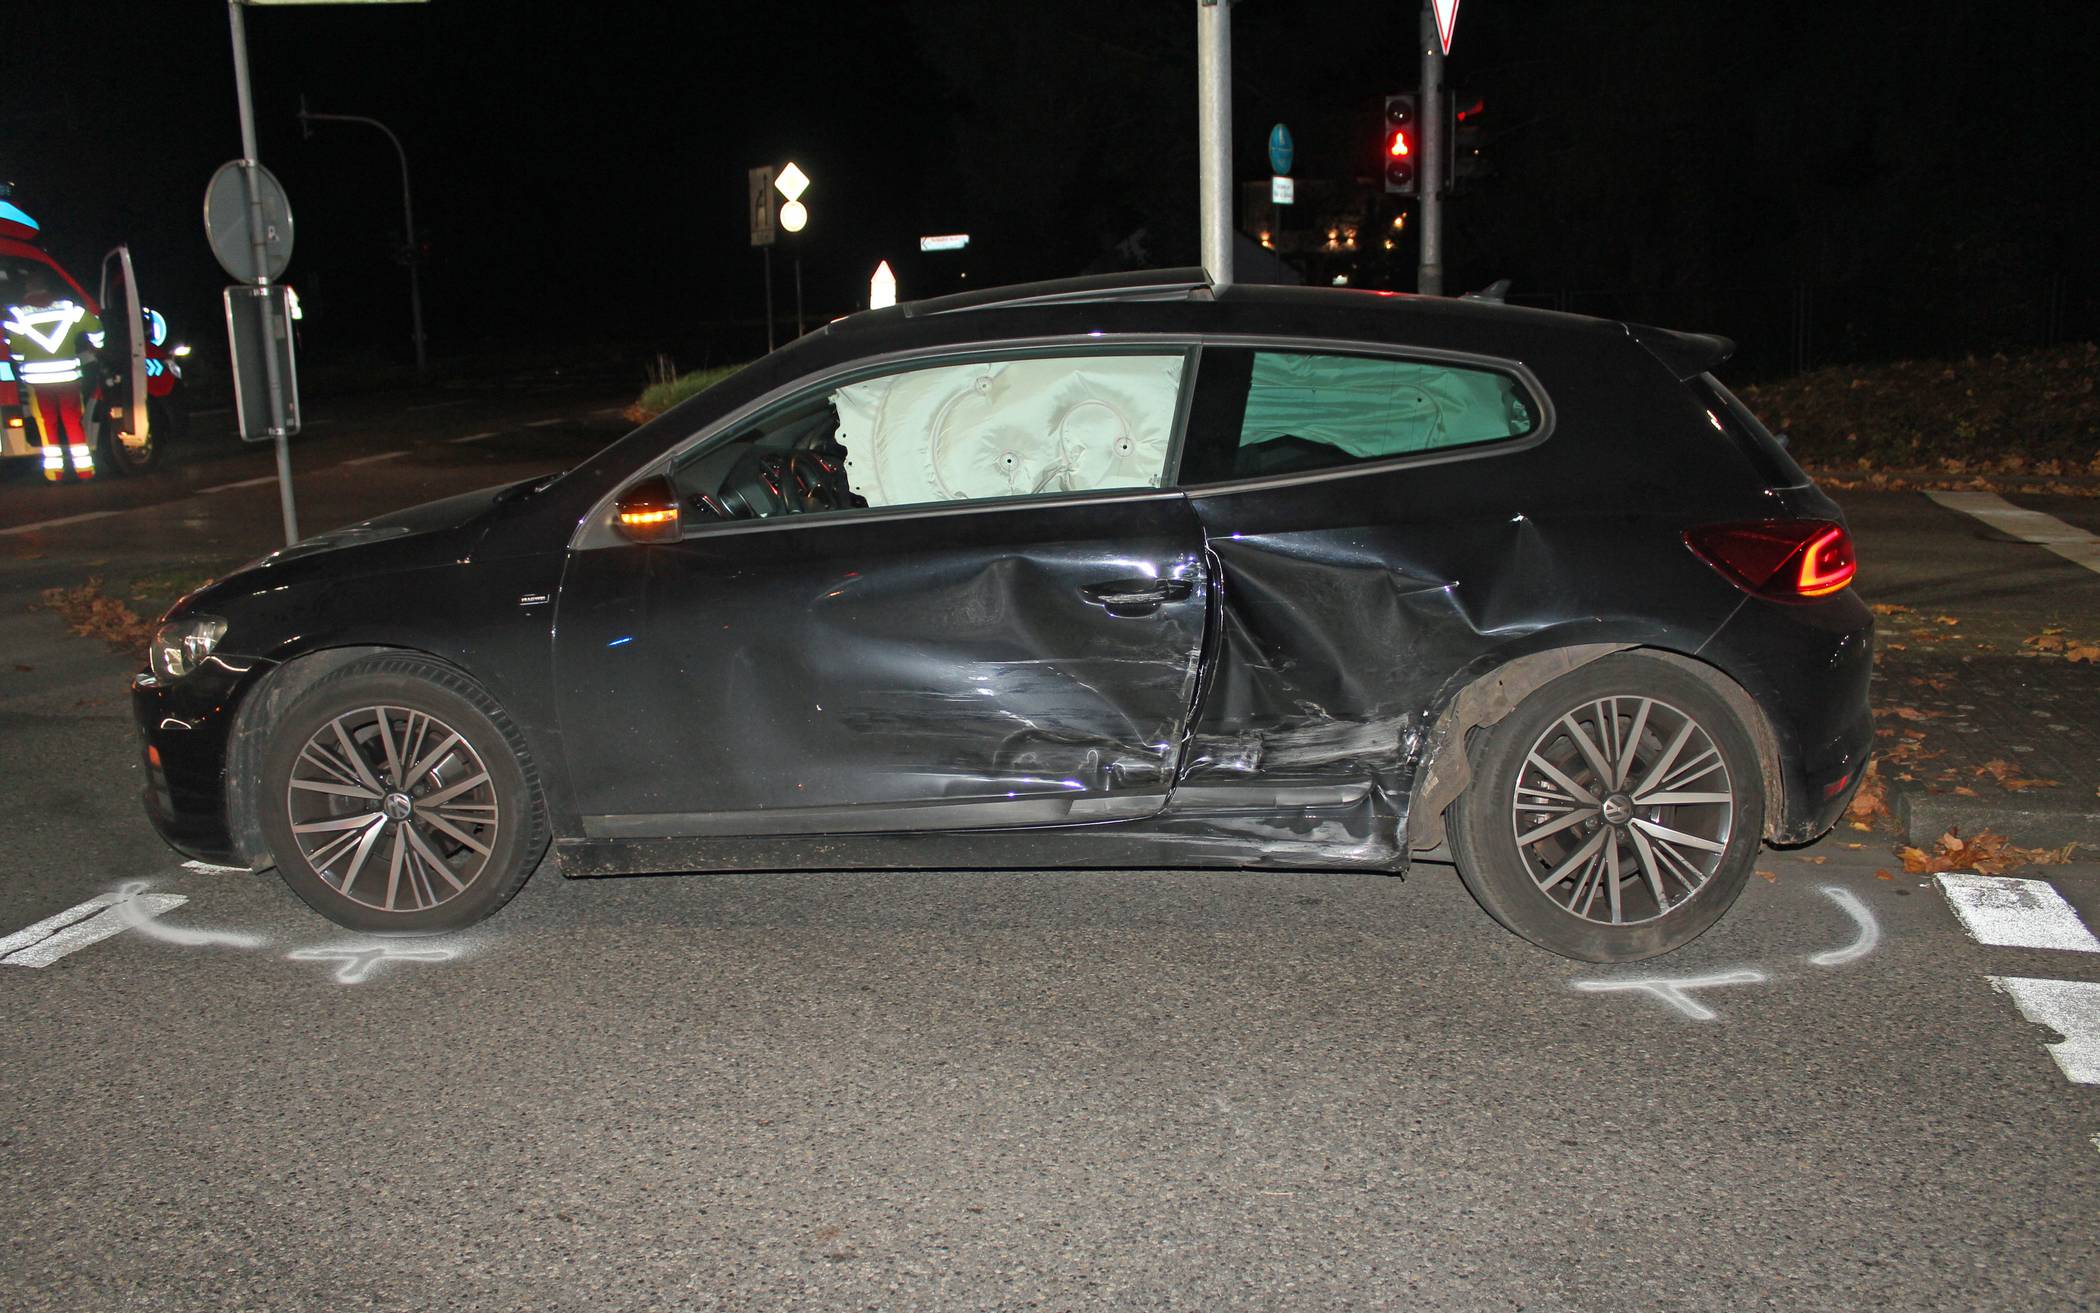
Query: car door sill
[1266,797]
[976,814]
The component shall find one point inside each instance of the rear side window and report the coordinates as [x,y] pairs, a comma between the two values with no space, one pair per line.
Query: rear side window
[1287,412]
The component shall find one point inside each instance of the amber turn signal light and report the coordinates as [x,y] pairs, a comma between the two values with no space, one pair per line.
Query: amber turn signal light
[648,512]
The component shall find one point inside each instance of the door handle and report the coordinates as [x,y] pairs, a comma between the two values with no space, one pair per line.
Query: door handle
[1133,597]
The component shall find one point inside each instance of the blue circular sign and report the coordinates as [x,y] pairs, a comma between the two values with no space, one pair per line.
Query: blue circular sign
[1280,149]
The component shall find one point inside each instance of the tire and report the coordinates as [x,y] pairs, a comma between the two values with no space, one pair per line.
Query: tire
[1542,861]
[414,867]
[120,457]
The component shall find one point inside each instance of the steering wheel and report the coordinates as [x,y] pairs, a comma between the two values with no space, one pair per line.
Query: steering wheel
[755,487]
[816,481]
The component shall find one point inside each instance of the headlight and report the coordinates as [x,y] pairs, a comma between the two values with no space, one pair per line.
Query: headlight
[180,646]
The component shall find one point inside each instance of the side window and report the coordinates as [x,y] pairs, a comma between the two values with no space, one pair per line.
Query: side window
[1290,412]
[1031,426]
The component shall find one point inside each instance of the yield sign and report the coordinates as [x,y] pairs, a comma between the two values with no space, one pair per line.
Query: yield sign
[1446,19]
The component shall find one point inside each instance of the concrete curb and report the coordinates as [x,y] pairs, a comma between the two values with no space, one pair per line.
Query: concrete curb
[2029,822]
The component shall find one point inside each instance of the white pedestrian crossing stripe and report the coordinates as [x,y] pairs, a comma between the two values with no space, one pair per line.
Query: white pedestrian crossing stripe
[2069,1007]
[2074,544]
[2007,913]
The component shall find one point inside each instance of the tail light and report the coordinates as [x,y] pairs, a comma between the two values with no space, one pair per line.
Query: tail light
[1789,560]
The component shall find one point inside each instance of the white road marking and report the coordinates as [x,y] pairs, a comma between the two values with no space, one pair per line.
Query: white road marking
[2069,1007]
[1675,990]
[1869,929]
[2009,913]
[206,868]
[128,908]
[244,483]
[81,518]
[83,924]
[475,437]
[544,423]
[2074,544]
[374,460]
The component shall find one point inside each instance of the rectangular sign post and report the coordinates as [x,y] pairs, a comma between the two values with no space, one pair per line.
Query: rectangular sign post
[764,229]
[259,330]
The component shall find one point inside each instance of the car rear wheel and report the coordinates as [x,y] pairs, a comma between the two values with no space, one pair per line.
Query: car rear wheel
[1615,814]
[398,799]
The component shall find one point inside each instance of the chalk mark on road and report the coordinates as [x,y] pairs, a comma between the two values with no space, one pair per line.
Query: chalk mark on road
[1869,929]
[127,906]
[475,437]
[1676,990]
[360,963]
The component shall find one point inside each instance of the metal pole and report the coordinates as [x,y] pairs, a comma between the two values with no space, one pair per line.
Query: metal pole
[798,294]
[1214,134]
[768,251]
[408,220]
[1429,273]
[259,241]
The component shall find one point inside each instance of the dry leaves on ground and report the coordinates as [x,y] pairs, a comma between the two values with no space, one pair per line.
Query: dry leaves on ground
[1988,854]
[2052,641]
[91,614]
[2008,776]
[1871,803]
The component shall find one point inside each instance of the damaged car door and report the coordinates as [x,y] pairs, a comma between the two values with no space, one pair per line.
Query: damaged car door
[949,596]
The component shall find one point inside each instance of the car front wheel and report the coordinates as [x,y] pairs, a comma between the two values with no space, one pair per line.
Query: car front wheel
[1615,814]
[398,799]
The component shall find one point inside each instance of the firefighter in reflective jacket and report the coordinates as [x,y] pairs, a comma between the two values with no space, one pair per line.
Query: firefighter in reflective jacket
[48,340]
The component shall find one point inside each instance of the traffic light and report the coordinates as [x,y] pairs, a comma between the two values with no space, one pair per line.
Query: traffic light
[1468,137]
[1402,142]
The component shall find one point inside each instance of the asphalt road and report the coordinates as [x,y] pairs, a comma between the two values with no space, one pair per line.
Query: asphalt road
[984,1091]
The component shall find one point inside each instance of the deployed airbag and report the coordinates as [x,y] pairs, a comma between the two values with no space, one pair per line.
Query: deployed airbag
[1371,408]
[1008,428]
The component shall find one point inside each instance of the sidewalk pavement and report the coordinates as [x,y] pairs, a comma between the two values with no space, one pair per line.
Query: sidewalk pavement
[1971,740]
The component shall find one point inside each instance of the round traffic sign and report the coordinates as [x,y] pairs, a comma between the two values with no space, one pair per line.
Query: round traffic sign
[226,222]
[1281,149]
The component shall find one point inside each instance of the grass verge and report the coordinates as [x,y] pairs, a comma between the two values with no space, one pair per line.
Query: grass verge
[660,397]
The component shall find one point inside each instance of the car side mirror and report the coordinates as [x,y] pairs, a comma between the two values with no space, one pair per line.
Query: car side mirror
[647,512]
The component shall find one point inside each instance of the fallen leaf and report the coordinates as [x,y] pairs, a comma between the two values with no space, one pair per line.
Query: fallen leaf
[1883,875]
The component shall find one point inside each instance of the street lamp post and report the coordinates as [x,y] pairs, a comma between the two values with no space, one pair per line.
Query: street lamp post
[408,218]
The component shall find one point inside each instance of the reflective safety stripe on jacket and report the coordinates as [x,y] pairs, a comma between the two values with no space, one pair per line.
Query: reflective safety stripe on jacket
[44,340]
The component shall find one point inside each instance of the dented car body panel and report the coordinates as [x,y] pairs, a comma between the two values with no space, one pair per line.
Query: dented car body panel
[1255,671]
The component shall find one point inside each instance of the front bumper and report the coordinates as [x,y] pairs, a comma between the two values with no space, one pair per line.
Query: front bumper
[186,743]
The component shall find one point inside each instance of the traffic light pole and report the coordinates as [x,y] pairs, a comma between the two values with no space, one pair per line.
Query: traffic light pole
[408,222]
[1214,134]
[1429,273]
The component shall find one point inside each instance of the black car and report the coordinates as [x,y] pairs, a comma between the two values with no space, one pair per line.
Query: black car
[1128,572]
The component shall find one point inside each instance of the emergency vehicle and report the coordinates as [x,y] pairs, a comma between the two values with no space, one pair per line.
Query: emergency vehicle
[132,398]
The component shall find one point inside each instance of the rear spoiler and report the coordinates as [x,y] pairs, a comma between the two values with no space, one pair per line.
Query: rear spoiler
[1687,355]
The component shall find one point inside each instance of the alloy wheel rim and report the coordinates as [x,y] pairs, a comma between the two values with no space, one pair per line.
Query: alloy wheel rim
[1623,810]
[393,808]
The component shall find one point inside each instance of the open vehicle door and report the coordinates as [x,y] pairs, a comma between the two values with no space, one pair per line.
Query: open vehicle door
[121,368]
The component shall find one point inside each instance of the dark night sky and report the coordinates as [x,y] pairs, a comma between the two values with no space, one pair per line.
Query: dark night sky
[1678,158]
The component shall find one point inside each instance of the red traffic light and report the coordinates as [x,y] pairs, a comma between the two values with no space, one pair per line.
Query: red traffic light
[1397,145]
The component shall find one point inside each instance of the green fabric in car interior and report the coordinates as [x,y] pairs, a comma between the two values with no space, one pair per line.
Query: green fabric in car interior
[1372,408]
